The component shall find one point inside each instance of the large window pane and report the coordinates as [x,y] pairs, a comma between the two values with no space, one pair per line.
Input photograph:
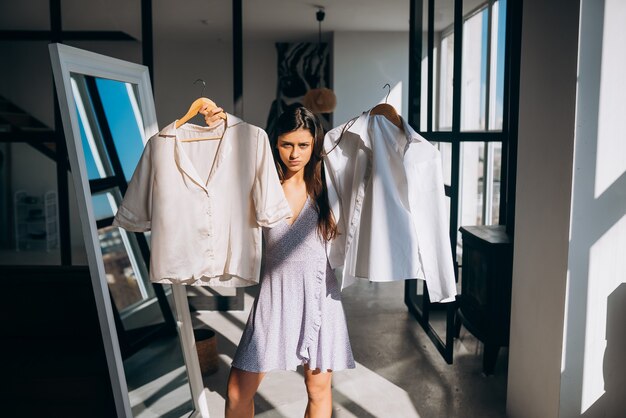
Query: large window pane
[474,71]
[496,164]
[444,63]
[424,94]
[424,70]
[124,119]
[496,92]
[471,183]
[479,185]
[445,83]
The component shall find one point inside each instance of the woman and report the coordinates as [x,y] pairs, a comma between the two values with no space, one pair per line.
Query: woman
[297,319]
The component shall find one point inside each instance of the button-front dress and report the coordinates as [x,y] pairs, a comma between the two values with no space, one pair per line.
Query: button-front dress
[297,317]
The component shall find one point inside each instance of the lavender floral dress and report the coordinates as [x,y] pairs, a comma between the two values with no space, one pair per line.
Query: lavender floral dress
[298,317]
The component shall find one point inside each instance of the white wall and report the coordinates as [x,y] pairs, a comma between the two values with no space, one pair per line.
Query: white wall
[178,64]
[362,63]
[569,276]
[593,377]
[260,75]
[544,178]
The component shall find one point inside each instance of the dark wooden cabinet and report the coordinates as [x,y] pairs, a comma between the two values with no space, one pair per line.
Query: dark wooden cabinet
[485,300]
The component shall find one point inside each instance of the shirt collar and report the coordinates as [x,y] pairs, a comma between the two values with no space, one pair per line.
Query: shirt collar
[359,128]
[183,161]
[411,135]
[360,125]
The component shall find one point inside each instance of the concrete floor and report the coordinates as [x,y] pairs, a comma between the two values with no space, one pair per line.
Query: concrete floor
[399,372]
[157,381]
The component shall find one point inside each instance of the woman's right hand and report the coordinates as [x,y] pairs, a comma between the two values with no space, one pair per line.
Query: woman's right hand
[212,116]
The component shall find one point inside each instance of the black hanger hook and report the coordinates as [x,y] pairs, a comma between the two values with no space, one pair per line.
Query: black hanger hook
[203,86]
[388,91]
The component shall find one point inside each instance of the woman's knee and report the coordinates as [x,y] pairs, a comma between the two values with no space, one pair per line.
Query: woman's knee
[235,394]
[242,386]
[318,386]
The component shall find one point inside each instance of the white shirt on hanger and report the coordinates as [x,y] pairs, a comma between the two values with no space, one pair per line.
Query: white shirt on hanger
[205,203]
[387,194]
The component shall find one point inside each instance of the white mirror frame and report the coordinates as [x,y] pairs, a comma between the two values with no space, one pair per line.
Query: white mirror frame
[66,60]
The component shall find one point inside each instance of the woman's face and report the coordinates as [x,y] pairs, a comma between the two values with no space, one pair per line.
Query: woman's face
[295,149]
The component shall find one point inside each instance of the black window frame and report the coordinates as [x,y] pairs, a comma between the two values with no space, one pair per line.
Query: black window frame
[420,306]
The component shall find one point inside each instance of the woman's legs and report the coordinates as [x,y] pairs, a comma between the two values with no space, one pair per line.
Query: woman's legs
[320,403]
[242,385]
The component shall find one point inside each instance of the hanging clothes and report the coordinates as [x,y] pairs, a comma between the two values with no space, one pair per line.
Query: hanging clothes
[387,194]
[205,203]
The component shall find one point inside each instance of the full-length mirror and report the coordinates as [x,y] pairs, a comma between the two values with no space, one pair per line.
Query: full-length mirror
[111,133]
[108,114]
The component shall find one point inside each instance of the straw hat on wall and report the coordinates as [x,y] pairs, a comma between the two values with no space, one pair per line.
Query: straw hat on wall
[320,100]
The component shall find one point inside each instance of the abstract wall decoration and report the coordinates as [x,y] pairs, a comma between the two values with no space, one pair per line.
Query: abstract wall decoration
[301,67]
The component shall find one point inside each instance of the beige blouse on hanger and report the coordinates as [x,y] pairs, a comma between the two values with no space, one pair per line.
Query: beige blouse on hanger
[205,203]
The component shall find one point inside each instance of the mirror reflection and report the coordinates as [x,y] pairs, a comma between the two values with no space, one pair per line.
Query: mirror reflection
[112,135]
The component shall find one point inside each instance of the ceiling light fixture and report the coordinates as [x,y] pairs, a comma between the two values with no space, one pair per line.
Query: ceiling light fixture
[320,99]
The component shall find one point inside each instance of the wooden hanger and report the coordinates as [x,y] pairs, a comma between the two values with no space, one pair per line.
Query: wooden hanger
[195,108]
[387,110]
[383,109]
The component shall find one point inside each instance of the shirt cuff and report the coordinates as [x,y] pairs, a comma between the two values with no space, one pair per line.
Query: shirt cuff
[127,220]
[270,217]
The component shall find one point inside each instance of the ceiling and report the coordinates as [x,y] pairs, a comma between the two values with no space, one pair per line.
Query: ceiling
[212,19]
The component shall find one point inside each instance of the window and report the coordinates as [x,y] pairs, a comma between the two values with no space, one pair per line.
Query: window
[471,143]
[457,103]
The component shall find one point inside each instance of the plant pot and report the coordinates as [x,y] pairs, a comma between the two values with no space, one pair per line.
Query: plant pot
[206,346]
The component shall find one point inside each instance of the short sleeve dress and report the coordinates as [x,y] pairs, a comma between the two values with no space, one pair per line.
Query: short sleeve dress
[298,317]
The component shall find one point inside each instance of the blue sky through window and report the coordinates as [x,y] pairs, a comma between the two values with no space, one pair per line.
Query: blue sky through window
[122,123]
[126,136]
[500,59]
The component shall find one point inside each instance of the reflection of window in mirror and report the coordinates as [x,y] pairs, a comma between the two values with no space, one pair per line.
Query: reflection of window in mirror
[124,126]
[122,112]
[127,275]
[112,134]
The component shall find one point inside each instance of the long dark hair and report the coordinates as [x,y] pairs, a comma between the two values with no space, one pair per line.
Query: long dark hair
[302,118]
